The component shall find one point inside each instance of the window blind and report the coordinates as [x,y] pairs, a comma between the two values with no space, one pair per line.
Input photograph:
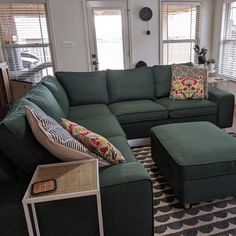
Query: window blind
[24,41]
[180,31]
[227,59]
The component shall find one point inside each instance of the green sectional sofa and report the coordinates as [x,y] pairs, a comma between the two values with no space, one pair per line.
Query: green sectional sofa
[118,105]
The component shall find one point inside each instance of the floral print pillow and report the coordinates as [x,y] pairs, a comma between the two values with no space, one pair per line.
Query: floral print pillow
[188,83]
[94,142]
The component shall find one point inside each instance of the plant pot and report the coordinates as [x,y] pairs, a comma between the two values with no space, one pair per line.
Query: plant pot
[211,67]
[201,60]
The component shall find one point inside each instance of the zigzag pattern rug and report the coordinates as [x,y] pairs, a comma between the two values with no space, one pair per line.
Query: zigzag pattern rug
[216,217]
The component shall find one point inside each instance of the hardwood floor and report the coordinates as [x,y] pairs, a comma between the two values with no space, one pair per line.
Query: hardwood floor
[139,142]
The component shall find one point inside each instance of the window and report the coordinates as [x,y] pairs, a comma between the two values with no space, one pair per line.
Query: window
[24,41]
[179,30]
[227,60]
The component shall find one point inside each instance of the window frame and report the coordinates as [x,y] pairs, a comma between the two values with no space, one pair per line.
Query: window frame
[179,3]
[223,37]
[42,45]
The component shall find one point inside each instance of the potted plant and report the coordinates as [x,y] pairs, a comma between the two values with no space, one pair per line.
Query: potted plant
[211,64]
[201,54]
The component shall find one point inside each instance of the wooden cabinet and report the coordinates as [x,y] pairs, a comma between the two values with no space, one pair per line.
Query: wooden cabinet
[20,88]
[10,90]
[6,97]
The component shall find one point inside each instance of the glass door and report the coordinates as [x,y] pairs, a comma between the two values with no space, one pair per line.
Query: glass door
[108,33]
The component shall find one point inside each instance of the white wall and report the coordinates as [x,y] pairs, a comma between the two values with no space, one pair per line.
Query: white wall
[206,29]
[216,25]
[67,24]
[145,47]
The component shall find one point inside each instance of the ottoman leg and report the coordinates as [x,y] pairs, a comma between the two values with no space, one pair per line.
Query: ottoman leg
[187,206]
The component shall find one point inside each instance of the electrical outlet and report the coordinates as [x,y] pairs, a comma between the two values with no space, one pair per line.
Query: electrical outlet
[68,44]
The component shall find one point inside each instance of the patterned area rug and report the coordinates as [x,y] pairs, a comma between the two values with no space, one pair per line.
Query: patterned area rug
[207,218]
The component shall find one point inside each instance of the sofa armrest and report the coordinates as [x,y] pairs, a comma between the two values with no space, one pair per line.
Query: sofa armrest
[127,198]
[225,102]
[127,206]
[120,185]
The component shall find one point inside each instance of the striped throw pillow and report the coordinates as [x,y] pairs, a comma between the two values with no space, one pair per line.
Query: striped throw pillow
[56,139]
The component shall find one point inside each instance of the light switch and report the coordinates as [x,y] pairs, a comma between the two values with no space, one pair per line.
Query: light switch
[68,44]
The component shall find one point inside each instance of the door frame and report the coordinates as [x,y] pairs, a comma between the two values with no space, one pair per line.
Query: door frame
[127,47]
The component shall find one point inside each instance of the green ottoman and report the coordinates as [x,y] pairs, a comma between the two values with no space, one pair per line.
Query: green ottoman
[198,159]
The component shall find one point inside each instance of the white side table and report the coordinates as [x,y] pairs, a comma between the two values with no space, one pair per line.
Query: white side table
[213,81]
[74,179]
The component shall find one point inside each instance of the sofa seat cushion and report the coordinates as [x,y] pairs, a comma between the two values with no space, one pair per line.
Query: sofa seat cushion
[130,85]
[141,110]
[122,145]
[188,108]
[87,111]
[84,87]
[106,125]
[58,92]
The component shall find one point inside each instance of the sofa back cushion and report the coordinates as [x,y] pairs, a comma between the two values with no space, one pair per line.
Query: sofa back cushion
[84,87]
[163,77]
[129,85]
[58,92]
[43,98]
[18,143]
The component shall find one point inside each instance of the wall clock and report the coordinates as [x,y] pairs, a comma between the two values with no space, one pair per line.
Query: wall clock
[145,14]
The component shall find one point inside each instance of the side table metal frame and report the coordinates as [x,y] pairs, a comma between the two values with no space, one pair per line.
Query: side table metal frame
[32,201]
